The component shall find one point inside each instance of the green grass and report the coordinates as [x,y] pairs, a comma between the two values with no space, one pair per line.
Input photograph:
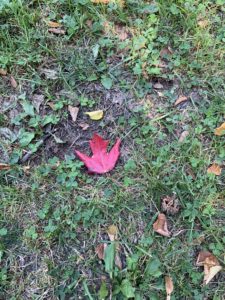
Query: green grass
[54,214]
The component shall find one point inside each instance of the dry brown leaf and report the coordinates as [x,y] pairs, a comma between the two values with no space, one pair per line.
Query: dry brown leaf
[203,23]
[170,204]
[51,104]
[100,250]
[166,51]
[73,112]
[3,72]
[220,130]
[169,286]
[4,166]
[89,23]
[210,263]
[118,261]
[54,24]
[57,30]
[183,136]
[13,82]
[180,99]
[121,32]
[214,169]
[37,100]
[160,225]
[211,273]
[158,86]
[112,232]
[84,126]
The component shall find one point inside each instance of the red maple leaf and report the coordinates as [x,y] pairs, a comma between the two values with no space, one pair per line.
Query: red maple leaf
[101,161]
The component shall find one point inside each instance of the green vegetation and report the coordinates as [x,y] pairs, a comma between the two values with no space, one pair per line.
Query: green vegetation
[133,59]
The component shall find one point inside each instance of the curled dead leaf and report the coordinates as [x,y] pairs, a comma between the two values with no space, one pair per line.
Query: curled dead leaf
[3,72]
[210,263]
[112,232]
[73,112]
[160,226]
[4,167]
[214,169]
[13,82]
[180,99]
[183,136]
[54,24]
[220,130]
[56,31]
[169,286]
[170,204]
[158,86]
[84,126]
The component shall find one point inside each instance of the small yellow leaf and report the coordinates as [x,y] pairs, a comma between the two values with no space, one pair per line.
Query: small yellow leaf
[112,232]
[220,130]
[54,24]
[169,286]
[214,169]
[95,115]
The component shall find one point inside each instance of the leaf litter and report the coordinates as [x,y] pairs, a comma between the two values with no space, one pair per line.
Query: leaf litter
[214,169]
[160,226]
[210,263]
[95,115]
[73,112]
[169,287]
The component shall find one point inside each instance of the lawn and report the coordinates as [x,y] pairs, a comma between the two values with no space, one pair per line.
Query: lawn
[154,71]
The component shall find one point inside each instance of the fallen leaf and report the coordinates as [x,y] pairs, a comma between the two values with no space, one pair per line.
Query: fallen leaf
[54,24]
[95,115]
[160,226]
[13,82]
[100,250]
[118,261]
[89,23]
[84,126]
[211,273]
[183,136]
[3,72]
[214,169]
[102,161]
[169,287]
[51,104]
[220,130]
[203,23]
[73,112]
[112,232]
[121,32]
[56,30]
[158,86]
[170,204]
[180,99]
[4,167]
[210,263]
[49,73]
[37,100]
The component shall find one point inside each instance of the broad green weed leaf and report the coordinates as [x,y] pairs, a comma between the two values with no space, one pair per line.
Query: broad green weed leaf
[107,82]
[127,289]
